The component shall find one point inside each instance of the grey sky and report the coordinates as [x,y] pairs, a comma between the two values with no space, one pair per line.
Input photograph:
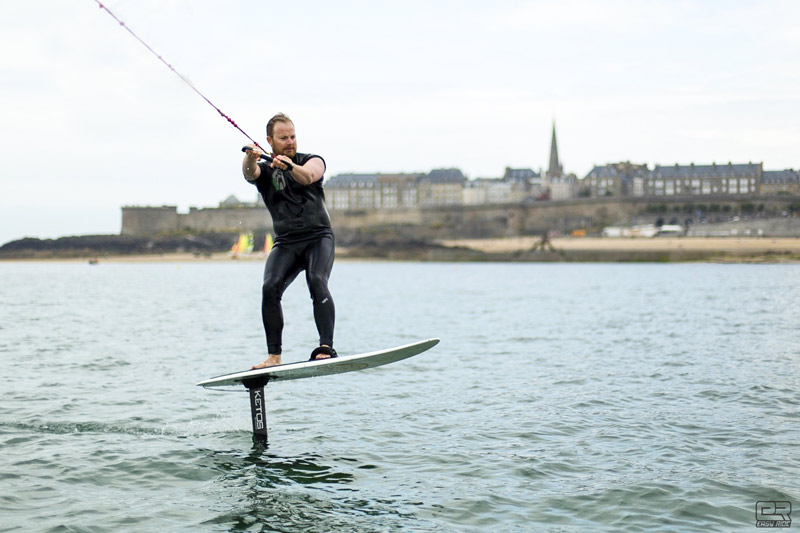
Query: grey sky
[92,121]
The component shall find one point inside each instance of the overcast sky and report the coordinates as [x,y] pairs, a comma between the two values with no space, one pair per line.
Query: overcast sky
[91,121]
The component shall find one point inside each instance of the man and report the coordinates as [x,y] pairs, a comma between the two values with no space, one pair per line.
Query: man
[292,190]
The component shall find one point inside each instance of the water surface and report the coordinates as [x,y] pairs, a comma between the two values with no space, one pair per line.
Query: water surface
[563,397]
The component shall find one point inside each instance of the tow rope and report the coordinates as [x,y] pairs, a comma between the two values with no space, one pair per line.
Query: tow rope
[186,81]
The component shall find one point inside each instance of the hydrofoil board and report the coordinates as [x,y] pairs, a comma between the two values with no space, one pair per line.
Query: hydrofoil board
[322,367]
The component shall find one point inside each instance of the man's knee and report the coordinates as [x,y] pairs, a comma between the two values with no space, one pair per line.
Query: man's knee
[318,287]
[271,288]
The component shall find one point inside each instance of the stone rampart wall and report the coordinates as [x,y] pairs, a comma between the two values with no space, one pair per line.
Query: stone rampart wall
[236,219]
[593,214]
[475,221]
[143,221]
[149,220]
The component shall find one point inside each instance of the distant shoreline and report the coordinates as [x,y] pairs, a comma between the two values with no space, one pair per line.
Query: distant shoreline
[511,249]
[710,244]
[658,249]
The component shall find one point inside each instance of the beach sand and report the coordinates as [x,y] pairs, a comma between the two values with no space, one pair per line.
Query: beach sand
[749,245]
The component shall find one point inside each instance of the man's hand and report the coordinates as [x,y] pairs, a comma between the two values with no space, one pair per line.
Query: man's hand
[252,152]
[281,162]
[250,167]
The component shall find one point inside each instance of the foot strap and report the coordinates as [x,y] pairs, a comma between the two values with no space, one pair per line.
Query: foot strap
[326,350]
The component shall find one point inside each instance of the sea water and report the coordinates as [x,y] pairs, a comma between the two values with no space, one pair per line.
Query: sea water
[563,397]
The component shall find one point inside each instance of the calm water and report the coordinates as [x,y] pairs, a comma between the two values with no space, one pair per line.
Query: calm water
[563,397]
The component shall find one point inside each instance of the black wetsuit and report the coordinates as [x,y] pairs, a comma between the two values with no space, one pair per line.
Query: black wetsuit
[304,241]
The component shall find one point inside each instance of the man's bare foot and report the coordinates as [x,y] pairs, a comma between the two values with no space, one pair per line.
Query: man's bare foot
[272,360]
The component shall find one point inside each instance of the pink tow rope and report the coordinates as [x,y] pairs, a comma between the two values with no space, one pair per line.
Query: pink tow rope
[187,82]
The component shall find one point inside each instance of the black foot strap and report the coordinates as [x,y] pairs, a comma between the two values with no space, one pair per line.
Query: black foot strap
[326,350]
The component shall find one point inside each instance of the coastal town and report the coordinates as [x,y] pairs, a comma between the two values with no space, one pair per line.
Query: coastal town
[443,214]
[620,179]
[445,204]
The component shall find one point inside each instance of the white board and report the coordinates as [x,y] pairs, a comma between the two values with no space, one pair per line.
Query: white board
[322,367]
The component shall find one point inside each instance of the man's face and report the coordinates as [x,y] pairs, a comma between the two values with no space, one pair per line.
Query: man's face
[283,140]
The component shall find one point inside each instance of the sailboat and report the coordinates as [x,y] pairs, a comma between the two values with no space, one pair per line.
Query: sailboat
[243,245]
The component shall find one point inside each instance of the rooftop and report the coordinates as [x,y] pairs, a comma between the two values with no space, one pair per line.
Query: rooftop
[712,170]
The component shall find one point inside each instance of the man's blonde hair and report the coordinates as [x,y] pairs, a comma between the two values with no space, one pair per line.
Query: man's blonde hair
[280,117]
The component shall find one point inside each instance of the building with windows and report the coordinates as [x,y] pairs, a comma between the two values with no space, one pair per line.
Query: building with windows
[525,183]
[562,187]
[483,191]
[615,179]
[780,182]
[389,191]
[702,180]
[444,186]
[371,191]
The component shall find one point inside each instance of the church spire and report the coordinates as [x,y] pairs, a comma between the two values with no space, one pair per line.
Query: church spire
[555,169]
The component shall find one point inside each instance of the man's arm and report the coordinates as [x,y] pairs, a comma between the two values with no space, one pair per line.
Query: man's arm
[307,174]
[250,167]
